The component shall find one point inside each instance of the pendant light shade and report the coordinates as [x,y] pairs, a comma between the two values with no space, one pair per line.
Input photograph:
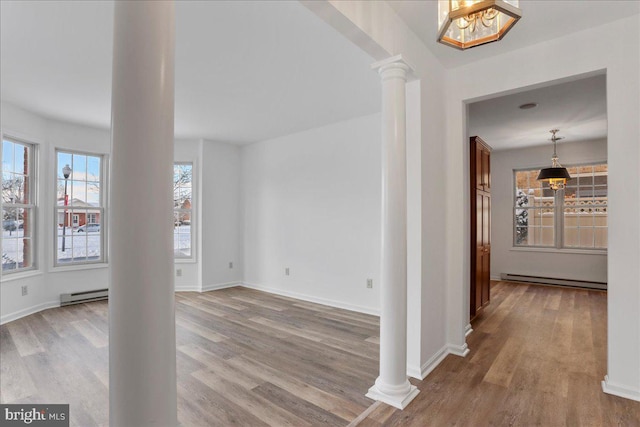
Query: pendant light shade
[468,23]
[556,175]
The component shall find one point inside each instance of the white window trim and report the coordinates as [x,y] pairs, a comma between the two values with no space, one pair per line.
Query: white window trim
[194,221]
[558,220]
[35,236]
[54,266]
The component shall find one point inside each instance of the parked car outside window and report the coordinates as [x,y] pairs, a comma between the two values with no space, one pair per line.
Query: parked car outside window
[89,228]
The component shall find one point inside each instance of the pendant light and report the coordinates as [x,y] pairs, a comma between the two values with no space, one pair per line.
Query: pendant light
[464,24]
[556,175]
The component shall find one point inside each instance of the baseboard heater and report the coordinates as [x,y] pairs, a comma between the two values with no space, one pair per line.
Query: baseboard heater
[86,296]
[554,281]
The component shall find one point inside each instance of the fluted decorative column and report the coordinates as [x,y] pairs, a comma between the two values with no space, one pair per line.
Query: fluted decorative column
[142,342]
[392,385]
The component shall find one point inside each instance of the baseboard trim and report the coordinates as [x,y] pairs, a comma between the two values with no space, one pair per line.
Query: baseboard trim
[187,288]
[216,286]
[309,298]
[428,366]
[467,330]
[458,350]
[28,311]
[619,390]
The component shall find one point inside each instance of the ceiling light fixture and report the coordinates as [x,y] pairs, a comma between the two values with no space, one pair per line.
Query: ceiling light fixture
[528,106]
[469,23]
[556,175]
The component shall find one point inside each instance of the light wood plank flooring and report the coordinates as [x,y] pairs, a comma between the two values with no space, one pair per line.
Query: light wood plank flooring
[538,355]
[244,358]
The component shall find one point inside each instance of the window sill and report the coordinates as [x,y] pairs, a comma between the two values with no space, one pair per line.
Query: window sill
[185,260]
[22,275]
[560,251]
[65,268]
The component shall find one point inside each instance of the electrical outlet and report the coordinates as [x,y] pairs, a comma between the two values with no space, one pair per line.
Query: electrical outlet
[230,265]
[369,283]
[179,272]
[286,271]
[25,290]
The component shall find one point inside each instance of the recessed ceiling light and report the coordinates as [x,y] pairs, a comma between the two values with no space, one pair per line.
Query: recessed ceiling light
[528,106]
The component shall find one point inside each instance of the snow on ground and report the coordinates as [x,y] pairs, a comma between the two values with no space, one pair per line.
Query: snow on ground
[79,246]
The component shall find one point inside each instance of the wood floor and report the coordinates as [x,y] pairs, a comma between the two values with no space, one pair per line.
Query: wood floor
[244,358]
[538,355]
[253,359]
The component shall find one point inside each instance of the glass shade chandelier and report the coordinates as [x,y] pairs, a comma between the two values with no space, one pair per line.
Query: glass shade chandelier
[469,23]
[556,175]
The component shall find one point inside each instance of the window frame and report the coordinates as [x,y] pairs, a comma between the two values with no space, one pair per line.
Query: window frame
[101,210]
[32,205]
[559,218]
[193,223]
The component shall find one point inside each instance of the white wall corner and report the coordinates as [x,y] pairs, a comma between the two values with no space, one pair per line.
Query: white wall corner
[620,390]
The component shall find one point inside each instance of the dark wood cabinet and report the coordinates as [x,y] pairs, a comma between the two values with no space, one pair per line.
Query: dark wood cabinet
[480,173]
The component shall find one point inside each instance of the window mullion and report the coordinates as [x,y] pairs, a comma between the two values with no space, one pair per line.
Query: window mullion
[559,218]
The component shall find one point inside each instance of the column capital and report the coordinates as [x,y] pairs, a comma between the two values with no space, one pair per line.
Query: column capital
[397,65]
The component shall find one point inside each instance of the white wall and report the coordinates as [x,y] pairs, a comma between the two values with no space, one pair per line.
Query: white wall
[47,283]
[216,209]
[584,53]
[377,29]
[312,204]
[222,220]
[564,264]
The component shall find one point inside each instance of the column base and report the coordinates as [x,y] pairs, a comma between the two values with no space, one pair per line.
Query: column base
[397,400]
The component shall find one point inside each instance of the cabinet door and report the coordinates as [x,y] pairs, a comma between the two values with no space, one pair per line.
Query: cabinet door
[486,169]
[486,220]
[486,278]
[479,174]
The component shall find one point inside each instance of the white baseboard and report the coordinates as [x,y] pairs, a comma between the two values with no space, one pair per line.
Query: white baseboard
[467,330]
[187,288]
[429,365]
[220,286]
[458,350]
[619,390]
[27,311]
[310,298]
[494,277]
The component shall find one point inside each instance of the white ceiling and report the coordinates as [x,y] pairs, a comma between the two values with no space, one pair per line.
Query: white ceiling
[541,20]
[250,71]
[245,71]
[577,108]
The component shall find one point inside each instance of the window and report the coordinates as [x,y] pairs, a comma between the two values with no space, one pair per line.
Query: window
[182,209]
[79,209]
[575,217]
[18,206]
[585,207]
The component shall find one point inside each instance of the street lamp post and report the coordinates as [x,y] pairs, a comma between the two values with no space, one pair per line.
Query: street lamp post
[66,172]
